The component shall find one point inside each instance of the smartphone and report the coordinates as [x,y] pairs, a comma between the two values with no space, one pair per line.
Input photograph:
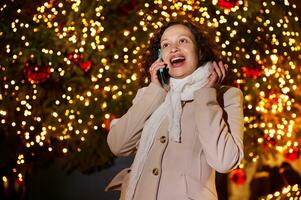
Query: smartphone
[163,72]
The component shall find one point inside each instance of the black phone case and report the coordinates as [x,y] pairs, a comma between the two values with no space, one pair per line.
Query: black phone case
[162,73]
[163,76]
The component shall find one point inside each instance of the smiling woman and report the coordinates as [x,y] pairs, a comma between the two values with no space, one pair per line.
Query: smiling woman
[179,51]
[182,35]
[184,133]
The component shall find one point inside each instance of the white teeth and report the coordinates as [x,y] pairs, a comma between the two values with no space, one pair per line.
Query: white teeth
[177,58]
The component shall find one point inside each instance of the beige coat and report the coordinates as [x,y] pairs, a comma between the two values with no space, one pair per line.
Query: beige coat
[211,139]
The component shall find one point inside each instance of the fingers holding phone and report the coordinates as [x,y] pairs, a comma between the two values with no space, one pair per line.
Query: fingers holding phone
[159,72]
[153,70]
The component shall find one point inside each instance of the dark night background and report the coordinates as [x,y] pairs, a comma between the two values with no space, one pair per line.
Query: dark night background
[53,183]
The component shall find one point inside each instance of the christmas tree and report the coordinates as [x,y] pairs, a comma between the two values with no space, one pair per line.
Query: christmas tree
[69,67]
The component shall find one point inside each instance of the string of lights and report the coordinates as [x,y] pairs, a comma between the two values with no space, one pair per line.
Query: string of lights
[70,67]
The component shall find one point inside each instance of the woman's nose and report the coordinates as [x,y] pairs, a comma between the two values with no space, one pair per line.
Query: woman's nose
[174,48]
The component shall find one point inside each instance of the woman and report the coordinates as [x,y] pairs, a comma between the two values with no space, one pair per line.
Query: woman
[182,133]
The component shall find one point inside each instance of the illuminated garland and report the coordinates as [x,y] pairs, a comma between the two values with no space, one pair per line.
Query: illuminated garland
[289,192]
[94,61]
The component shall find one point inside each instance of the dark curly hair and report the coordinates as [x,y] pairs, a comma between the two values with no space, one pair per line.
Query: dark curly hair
[207,49]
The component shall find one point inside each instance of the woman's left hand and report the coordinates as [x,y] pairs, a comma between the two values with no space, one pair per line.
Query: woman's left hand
[218,74]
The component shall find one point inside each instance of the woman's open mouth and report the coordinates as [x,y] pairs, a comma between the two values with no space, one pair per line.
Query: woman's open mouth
[177,61]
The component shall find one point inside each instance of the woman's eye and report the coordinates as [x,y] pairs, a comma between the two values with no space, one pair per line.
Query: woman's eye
[183,40]
[164,45]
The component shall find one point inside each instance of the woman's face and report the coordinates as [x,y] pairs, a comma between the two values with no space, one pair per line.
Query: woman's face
[179,51]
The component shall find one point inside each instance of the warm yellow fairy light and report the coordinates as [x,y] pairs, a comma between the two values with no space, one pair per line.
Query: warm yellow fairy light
[91,35]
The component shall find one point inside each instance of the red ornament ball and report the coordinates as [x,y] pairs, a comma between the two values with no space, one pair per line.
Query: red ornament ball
[86,65]
[292,153]
[36,73]
[227,4]
[269,140]
[75,57]
[252,72]
[238,176]
[106,124]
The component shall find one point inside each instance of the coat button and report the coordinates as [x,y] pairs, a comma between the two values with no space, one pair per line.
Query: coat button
[155,171]
[163,139]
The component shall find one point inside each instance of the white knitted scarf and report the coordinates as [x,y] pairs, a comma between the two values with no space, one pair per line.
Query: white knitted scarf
[180,90]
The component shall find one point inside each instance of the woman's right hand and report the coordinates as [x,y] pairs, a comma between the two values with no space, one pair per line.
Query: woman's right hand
[153,71]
